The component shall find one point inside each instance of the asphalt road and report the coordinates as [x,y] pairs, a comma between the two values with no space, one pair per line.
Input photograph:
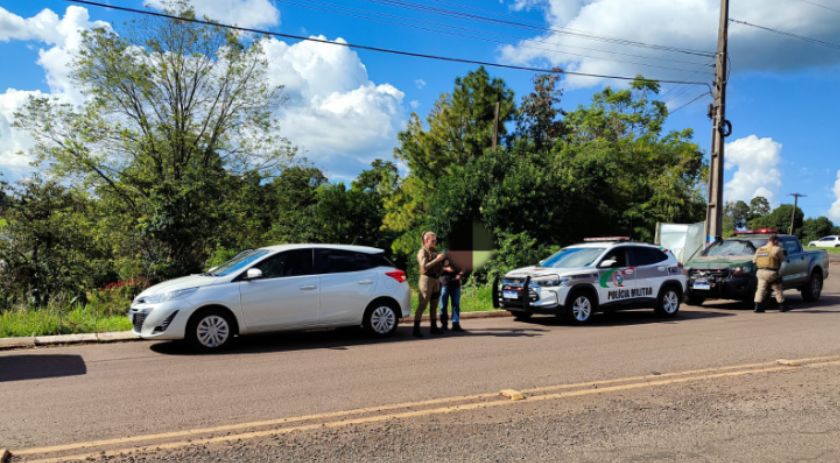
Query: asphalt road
[75,394]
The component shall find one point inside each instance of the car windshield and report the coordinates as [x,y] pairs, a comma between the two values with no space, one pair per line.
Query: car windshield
[242,260]
[573,257]
[735,247]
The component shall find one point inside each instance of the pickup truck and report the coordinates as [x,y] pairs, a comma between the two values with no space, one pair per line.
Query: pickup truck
[725,270]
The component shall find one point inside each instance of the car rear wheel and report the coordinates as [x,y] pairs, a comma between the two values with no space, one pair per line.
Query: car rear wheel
[811,292]
[581,308]
[210,330]
[381,319]
[668,302]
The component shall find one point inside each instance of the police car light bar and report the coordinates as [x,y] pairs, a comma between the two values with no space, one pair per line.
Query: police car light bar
[606,239]
[760,231]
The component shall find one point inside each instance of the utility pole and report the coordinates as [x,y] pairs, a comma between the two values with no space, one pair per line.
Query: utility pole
[796,197]
[497,110]
[721,128]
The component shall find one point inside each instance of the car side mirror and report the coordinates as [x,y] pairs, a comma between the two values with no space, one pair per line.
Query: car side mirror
[609,263]
[253,274]
[541,263]
[211,269]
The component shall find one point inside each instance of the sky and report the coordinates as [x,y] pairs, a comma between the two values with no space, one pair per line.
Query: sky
[344,108]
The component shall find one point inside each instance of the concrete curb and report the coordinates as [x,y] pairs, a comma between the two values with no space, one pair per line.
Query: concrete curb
[64,339]
[467,315]
[123,336]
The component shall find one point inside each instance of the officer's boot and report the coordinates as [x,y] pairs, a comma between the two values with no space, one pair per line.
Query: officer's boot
[759,308]
[435,329]
[456,326]
[444,320]
[783,307]
[417,333]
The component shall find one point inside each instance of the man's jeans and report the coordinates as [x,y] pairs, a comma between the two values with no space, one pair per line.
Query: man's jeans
[454,292]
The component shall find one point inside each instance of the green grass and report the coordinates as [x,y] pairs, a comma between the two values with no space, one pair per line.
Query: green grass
[473,298]
[40,322]
[830,250]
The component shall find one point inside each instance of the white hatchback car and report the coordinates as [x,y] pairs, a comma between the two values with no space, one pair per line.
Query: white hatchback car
[831,241]
[277,288]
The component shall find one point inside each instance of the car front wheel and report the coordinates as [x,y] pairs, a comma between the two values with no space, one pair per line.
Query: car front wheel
[210,330]
[381,319]
[581,308]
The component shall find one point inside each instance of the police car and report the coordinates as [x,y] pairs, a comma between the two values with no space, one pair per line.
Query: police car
[599,275]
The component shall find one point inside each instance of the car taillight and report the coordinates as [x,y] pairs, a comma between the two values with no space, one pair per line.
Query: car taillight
[398,275]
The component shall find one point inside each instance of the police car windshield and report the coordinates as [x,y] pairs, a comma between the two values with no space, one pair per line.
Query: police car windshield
[573,257]
[735,247]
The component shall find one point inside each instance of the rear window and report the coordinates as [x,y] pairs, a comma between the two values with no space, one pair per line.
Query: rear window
[339,260]
[646,256]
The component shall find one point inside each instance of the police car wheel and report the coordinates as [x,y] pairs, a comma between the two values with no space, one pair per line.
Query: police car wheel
[668,302]
[581,308]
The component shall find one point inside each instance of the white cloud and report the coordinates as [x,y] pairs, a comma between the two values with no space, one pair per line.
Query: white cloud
[13,141]
[414,104]
[420,84]
[690,24]
[333,111]
[244,13]
[756,163]
[63,36]
[834,212]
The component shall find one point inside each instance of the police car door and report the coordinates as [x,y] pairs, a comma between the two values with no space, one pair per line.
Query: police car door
[616,279]
[651,267]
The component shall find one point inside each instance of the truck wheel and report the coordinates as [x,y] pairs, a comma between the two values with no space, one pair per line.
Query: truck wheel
[581,307]
[811,292]
[521,316]
[694,299]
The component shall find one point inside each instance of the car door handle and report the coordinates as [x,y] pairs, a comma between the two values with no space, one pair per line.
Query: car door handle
[308,287]
[661,269]
[365,282]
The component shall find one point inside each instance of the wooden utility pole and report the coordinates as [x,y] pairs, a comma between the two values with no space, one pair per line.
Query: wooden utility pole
[796,197]
[721,128]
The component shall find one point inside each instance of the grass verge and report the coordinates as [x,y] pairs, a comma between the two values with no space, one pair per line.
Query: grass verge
[829,250]
[43,322]
[473,298]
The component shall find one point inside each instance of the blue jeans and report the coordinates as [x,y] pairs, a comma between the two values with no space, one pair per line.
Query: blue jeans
[454,293]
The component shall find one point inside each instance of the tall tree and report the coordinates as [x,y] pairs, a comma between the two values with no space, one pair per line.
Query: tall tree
[172,110]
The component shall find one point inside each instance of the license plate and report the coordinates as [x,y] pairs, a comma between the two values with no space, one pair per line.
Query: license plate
[510,294]
[704,285]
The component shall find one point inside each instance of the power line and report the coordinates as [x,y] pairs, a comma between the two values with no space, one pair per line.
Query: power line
[372,48]
[375,16]
[821,5]
[446,12]
[688,103]
[831,45]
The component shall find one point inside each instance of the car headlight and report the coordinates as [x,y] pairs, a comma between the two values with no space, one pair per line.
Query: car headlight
[169,295]
[551,281]
[742,269]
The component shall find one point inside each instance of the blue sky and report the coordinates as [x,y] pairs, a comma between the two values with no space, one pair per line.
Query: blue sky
[346,107]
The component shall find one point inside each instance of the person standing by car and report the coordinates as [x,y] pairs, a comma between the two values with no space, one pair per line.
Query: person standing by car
[768,259]
[450,290]
[431,267]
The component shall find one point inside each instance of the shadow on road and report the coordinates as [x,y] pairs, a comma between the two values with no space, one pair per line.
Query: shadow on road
[794,300]
[630,317]
[22,367]
[339,339]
